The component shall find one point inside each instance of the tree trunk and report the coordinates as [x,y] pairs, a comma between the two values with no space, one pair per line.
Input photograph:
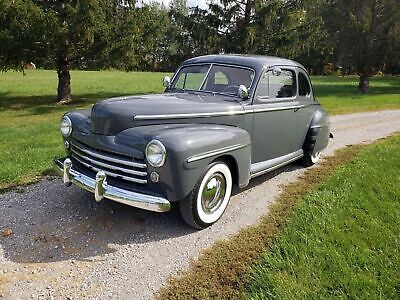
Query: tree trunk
[363,85]
[64,81]
[247,12]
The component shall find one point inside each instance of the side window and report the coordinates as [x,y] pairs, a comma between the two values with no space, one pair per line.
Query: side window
[280,84]
[220,78]
[304,85]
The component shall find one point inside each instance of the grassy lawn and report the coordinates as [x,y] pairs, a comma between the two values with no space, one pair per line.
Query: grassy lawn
[29,117]
[334,233]
[338,95]
[343,240]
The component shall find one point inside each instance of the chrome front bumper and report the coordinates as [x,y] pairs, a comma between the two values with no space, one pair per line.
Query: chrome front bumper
[101,189]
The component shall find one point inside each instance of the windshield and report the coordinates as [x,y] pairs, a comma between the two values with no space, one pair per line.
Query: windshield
[213,78]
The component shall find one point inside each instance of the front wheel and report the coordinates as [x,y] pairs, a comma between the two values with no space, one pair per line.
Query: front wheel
[209,198]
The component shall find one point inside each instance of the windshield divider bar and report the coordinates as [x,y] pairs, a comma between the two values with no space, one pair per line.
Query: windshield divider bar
[205,78]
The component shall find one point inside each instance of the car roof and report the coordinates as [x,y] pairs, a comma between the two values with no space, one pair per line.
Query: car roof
[256,62]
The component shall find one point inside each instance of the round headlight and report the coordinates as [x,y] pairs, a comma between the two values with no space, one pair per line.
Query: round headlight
[155,153]
[66,126]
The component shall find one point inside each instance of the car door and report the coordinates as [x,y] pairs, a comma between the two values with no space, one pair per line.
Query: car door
[277,130]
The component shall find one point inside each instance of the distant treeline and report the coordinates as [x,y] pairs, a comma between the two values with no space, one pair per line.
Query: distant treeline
[346,37]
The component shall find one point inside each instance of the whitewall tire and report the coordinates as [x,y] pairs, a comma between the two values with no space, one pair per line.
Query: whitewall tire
[311,159]
[209,198]
[315,157]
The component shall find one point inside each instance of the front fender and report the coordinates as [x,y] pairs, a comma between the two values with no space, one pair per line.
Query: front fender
[190,149]
[80,119]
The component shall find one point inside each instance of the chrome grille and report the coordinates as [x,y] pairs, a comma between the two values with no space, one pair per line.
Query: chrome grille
[113,165]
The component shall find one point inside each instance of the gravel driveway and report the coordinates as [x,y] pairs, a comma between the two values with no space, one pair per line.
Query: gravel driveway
[65,245]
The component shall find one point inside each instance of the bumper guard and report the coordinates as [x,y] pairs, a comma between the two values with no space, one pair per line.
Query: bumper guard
[101,189]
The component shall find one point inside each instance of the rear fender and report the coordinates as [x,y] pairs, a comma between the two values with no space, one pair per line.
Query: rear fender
[318,133]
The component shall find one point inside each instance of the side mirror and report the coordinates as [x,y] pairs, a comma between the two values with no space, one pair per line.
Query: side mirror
[166,82]
[276,71]
[243,92]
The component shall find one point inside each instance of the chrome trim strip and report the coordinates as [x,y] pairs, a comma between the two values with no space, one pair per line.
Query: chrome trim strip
[215,152]
[318,126]
[110,173]
[112,159]
[215,114]
[259,110]
[266,99]
[105,165]
[135,199]
[276,166]
[188,115]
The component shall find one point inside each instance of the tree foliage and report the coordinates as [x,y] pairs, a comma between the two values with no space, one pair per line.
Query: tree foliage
[359,35]
[364,34]
[57,33]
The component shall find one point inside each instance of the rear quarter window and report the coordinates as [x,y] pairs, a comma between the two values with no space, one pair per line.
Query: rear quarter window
[282,85]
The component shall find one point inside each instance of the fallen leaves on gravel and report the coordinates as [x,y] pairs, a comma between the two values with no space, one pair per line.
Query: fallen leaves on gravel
[7,232]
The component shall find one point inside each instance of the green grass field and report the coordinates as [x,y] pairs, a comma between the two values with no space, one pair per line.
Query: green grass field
[29,117]
[339,95]
[343,239]
[333,233]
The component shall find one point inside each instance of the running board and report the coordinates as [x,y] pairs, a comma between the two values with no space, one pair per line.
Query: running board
[263,167]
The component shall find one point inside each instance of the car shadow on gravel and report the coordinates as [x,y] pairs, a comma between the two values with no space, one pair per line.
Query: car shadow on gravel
[53,223]
[261,179]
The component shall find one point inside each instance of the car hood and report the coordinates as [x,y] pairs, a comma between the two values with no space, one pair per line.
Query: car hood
[111,116]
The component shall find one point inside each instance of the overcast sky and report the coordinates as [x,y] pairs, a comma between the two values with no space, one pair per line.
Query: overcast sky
[191,3]
[199,3]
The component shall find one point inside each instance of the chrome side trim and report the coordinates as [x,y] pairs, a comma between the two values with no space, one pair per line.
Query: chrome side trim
[259,110]
[269,169]
[215,114]
[112,159]
[215,152]
[188,115]
[110,173]
[103,189]
[105,165]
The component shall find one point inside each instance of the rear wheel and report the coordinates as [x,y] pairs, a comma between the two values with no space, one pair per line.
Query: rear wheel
[310,159]
[209,198]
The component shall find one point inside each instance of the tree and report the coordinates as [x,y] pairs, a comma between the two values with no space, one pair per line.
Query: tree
[361,32]
[56,31]
[23,28]
[392,63]
[152,33]
[231,20]
[289,28]
[276,27]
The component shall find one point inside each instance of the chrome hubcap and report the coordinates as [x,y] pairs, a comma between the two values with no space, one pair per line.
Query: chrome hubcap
[213,193]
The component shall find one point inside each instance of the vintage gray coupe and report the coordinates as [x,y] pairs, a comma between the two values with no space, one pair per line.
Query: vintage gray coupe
[222,120]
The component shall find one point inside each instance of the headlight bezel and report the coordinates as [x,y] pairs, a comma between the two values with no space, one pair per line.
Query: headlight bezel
[162,152]
[68,124]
